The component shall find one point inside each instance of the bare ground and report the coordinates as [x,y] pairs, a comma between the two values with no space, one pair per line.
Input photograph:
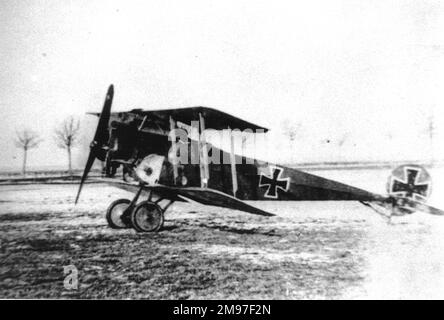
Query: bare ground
[323,250]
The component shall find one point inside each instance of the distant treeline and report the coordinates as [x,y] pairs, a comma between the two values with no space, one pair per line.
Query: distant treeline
[44,173]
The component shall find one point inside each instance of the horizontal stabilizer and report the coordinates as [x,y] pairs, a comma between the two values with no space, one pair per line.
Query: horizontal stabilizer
[419,206]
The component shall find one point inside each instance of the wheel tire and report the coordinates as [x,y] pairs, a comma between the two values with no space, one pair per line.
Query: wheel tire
[147,217]
[115,212]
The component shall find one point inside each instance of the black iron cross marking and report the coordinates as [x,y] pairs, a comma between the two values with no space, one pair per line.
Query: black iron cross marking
[410,187]
[274,183]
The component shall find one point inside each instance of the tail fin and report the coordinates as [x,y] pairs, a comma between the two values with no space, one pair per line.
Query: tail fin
[409,186]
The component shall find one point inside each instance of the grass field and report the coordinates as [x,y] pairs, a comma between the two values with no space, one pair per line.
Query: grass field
[323,250]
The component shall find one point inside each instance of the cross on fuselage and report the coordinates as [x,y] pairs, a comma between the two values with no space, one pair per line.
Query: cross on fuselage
[411,187]
[274,183]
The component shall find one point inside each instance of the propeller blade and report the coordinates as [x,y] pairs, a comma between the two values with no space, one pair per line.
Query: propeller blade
[100,137]
[89,163]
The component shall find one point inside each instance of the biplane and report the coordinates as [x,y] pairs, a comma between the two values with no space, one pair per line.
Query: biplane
[146,145]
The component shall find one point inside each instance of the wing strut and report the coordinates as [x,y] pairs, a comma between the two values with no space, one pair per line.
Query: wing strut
[233,164]
[204,171]
[143,123]
[174,148]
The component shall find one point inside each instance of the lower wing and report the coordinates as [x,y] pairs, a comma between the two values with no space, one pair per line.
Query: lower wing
[205,196]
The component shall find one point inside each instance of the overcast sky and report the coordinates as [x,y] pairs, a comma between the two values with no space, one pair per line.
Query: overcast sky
[362,78]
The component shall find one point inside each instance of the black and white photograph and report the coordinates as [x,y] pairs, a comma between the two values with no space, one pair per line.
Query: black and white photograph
[222,150]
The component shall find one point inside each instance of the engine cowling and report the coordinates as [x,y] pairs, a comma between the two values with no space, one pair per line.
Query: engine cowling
[149,169]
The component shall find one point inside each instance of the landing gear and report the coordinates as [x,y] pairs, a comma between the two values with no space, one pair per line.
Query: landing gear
[115,214]
[147,216]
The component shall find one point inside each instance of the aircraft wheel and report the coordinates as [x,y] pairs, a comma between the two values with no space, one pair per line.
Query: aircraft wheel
[147,217]
[114,214]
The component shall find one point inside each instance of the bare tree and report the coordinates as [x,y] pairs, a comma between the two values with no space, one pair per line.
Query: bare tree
[291,129]
[26,139]
[67,136]
[343,139]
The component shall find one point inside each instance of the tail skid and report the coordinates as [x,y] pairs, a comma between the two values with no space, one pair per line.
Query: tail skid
[400,206]
[408,188]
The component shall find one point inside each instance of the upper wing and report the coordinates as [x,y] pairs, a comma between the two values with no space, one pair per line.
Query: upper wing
[214,119]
